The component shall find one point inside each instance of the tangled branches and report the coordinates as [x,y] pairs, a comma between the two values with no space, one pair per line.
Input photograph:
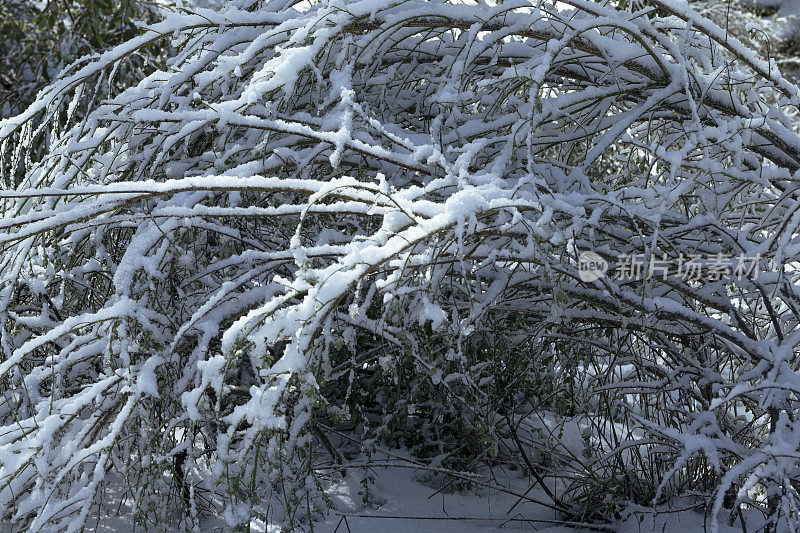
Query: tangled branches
[370,213]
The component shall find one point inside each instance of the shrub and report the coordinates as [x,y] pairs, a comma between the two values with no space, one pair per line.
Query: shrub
[39,39]
[366,217]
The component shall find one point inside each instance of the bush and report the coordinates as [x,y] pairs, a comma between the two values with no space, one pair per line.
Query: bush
[366,218]
[39,39]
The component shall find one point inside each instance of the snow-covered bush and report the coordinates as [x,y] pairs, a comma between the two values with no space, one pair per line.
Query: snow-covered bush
[769,28]
[365,218]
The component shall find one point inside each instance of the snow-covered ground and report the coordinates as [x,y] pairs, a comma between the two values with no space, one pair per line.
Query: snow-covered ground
[406,499]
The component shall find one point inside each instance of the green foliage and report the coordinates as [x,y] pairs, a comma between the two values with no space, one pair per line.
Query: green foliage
[39,39]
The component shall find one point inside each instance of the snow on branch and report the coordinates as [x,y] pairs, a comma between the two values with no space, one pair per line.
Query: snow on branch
[192,262]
